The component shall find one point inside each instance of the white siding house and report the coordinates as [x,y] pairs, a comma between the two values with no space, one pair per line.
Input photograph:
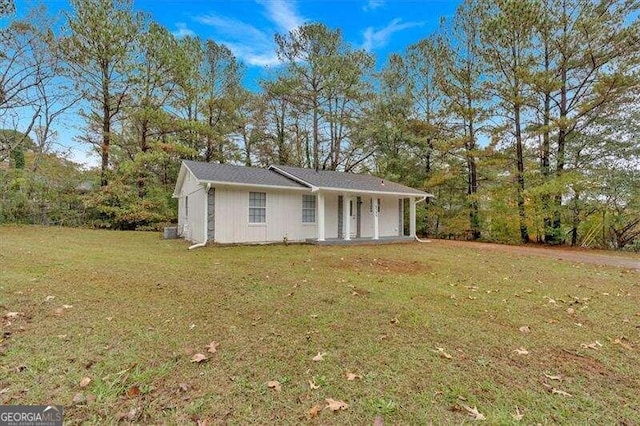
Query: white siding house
[233,204]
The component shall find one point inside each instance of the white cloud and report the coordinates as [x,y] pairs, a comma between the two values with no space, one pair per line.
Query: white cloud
[251,44]
[282,13]
[373,5]
[374,39]
[182,31]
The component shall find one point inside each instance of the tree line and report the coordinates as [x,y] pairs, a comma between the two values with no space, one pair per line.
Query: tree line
[522,117]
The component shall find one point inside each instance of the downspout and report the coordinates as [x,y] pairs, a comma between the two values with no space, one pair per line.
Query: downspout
[416,236]
[206,219]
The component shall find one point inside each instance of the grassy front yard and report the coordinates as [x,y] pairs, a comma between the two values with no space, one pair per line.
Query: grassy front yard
[552,340]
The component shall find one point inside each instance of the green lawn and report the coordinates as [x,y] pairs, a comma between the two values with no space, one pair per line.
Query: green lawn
[142,307]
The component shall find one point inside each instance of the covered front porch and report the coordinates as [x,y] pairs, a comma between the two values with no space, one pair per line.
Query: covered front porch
[364,217]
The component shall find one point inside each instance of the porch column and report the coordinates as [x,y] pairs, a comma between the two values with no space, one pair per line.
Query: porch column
[346,217]
[320,224]
[376,226]
[412,217]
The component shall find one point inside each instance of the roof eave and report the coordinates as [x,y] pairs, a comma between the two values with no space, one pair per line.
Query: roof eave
[180,180]
[252,185]
[367,191]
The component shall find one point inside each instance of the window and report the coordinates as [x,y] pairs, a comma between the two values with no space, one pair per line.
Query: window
[186,206]
[308,209]
[257,207]
[351,208]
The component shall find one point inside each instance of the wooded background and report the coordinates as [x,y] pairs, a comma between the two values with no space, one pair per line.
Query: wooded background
[522,117]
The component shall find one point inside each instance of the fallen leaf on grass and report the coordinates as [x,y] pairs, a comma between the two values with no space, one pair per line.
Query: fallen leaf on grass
[334,405]
[473,412]
[58,312]
[275,385]
[79,399]
[623,344]
[595,345]
[521,351]
[212,347]
[198,358]
[571,311]
[378,421]
[85,382]
[313,411]
[319,357]
[553,377]
[67,306]
[133,391]
[48,298]
[551,301]
[518,415]
[12,315]
[442,353]
[352,376]
[313,385]
[394,321]
[525,329]
[560,392]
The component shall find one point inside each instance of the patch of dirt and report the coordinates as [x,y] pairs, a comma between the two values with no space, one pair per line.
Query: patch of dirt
[585,363]
[378,266]
[593,257]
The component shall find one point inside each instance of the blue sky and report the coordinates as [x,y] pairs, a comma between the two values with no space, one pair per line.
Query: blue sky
[248,27]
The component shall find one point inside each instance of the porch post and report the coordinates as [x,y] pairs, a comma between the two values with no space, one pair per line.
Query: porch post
[346,217]
[376,226]
[412,217]
[320,224]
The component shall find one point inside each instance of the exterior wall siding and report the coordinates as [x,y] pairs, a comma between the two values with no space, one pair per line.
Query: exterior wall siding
[191,225]
[283,217]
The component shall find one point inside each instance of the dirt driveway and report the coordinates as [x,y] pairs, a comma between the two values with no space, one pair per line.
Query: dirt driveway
[594,257]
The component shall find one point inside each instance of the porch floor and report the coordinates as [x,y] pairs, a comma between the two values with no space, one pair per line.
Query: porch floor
[357,241]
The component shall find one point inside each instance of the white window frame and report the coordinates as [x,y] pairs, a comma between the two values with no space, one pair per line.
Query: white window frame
[309,209]
[253,208]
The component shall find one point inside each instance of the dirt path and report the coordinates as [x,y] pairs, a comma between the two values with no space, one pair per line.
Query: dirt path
[574,255]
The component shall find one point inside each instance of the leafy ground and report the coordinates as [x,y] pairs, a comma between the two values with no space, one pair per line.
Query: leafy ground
[428,331]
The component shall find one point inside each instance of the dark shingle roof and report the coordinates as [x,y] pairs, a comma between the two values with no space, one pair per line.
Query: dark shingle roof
[212,172]
[238,174]
[348,181]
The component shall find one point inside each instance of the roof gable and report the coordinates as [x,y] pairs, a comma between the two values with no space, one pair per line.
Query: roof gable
[227,173]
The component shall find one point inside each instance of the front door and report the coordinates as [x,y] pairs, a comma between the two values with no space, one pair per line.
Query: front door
[353,217]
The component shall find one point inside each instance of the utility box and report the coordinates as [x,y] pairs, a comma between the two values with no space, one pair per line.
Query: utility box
[170,232]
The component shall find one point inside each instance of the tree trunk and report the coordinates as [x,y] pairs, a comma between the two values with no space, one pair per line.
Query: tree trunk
[545,154]
[524,232]
[106,126]
[472,187]
[316,142]
[560,162]
[576,220]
